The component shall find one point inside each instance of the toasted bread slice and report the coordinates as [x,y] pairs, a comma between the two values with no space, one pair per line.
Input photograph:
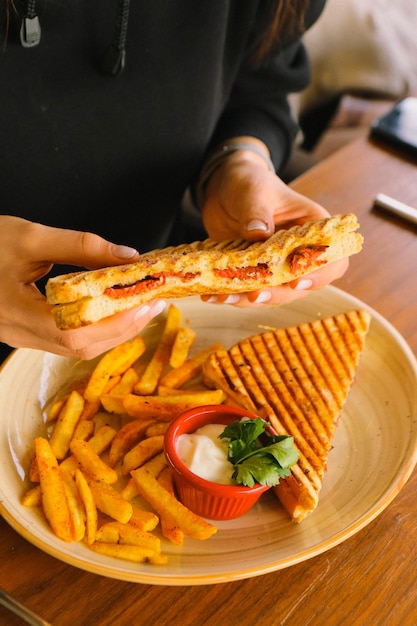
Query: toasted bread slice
[203,267]
[297,378]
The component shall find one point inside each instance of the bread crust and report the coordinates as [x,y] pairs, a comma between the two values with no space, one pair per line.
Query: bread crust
[202,267]
[298,378]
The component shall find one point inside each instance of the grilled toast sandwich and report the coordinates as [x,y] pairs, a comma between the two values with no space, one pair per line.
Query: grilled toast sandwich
[202,267]
[298,379]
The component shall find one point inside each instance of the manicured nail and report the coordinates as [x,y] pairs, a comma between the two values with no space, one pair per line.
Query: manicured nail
[257,225]
[231,299]
[263,296]
[305,283]
[158,307]
[124,252]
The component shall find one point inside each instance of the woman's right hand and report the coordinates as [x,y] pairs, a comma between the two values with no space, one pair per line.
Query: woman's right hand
[28,252]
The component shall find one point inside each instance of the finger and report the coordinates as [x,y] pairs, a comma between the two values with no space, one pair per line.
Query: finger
[84,343]
[41,243]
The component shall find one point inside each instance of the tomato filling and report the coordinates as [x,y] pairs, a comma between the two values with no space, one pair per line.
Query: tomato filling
[256,271]
[145,284]
[302,258]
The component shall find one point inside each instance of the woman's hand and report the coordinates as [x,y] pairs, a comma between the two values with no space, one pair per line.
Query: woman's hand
[245,200]
[28,251]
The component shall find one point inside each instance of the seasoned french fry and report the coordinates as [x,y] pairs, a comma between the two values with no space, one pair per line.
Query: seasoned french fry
[86,496]
[33,496]
[137,554]
[33,470]
[109,501]
[99,442]
[125,438]
[150,378]
[189,369]
[165,408]
[145,520]
[54,499]
[126,383]
[65,425]
[183,341]
[129,491]
[91,463]
[92,408]
[156,464]
[75,505]
[112,403]
[55,409]
[169,529]
[84,429]
[165,504]
[113,363]
[116,532]
[108,533]
[156,428]
[142,452]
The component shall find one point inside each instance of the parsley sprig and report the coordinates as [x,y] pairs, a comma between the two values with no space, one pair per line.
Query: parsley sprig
[257,456]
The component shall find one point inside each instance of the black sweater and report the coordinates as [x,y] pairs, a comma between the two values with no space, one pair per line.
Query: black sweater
[113,155]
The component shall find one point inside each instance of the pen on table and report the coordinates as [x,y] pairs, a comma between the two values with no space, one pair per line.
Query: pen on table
[391,205]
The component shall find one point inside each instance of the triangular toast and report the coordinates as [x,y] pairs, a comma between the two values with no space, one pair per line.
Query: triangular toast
[298,378]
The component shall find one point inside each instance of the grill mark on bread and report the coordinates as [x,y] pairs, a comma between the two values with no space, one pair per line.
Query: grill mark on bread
[298,378]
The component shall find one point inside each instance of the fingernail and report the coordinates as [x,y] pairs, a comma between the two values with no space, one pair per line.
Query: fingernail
[124,252]
[257,225]
[158,307]
[154,310]
[231,299]
[306,283]
[263,296]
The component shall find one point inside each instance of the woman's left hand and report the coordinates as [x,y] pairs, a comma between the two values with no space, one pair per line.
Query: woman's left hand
[245,200]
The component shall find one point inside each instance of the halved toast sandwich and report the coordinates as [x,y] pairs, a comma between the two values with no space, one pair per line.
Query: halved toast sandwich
[297,378]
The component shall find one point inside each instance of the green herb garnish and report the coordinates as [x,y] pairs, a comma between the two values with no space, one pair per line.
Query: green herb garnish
[257,456]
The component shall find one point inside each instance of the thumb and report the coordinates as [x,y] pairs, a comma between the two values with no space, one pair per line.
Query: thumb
[71,247]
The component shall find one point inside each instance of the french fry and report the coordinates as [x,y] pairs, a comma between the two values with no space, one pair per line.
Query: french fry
[137,554]
[84,429]
[65,424]
[54,499]
[129,491]
[142,452]
[169,529]
[116,532]
[33,496]
[92,408]
[191,368]
[156,428]
[183,341]
[109,501]
[145,520]
[75,505]
[55,409]
[91,463]
[113,404]
[166,505]
[156,464]
[125,438]
[86,496]
[99,442]
[150,378]
[113,363]
[165,408]
[126,383]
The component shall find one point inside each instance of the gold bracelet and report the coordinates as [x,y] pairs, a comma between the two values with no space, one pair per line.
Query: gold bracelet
[217,158]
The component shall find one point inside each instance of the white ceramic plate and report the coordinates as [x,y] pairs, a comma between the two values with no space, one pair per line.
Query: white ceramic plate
[375,450]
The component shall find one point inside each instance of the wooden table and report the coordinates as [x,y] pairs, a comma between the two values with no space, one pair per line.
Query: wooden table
[370,579]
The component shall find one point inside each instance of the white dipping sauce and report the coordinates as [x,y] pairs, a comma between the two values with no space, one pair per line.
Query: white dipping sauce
[206,455]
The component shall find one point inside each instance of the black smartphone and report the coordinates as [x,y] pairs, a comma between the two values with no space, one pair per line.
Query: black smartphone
[398,127]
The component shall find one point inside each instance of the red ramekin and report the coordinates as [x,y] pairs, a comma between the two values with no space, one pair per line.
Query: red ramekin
[203,497]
